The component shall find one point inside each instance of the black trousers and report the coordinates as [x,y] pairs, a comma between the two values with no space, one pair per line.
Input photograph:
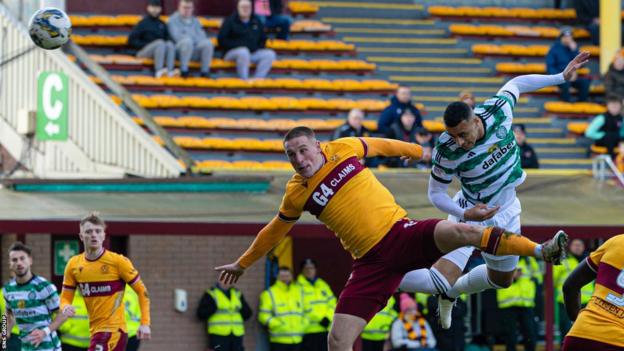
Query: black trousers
[284,347]
[133,344]
[610,141]
[225,343]
[314,342]
[523,318]
[369,345]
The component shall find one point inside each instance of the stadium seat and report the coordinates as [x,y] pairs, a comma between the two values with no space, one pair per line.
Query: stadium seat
[522,50]
[511,31]
[586,108]
[502,13]
[527,68]
[577,128]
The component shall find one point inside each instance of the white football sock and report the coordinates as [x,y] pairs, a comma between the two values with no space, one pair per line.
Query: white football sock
[472,282]
[428,281]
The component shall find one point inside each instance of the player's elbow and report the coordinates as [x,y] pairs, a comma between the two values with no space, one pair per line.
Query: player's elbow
[569,287]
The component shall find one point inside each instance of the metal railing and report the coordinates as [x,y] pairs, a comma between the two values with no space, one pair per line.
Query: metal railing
[102,140]
[603,168]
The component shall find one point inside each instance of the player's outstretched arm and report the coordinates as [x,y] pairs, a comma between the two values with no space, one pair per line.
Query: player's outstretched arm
[580,276]
[439,197]
[391,148]
[532,82]
[266,239]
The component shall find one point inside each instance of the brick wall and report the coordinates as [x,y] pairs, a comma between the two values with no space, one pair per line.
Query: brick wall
[186,262]
[7,240]
[41,253]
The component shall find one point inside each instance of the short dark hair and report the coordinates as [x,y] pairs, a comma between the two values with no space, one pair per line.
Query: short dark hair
[307,261]
[93,218]
[520,127]
[457,112]
[285,268]
[299,131]
[613,98]
[20,246]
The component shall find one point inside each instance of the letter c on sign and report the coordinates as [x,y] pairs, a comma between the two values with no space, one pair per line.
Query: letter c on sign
[50,109]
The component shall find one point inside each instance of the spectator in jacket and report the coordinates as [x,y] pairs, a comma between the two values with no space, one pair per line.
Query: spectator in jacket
[528,157]
[607,129]
[588,15]
[191,40]
[411,332]
[400,102]
[562,52]
[150,38]
[269,12]
[224,309]
[406,129]
[243,40]
[353,127]
[614,79]
[467,97]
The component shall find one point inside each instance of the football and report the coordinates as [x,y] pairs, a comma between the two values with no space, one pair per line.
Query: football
[49,28]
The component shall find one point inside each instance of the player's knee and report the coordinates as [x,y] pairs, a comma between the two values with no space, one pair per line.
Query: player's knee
[337,342]
[501,281]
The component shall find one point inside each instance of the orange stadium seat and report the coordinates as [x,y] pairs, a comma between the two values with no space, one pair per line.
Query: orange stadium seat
[501,12]
[577,127]
[574,108]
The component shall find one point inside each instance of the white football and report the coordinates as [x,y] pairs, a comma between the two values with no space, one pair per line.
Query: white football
[50,28]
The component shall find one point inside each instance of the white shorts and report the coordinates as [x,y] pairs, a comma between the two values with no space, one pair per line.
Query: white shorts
[507,218]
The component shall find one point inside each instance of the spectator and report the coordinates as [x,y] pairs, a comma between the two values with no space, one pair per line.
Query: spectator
[467,97]
[588,14]
[528,157]
[517,302]
[281,312]
[561,273]
[353,127]
[607,129]
[224,308]
[319,303]
[191,40]
[411,332]
[376,332]
[133,318]
[406,129]
[400,102]
[243,40]
[151,38]
[559,55]
[269,12]
[614,79]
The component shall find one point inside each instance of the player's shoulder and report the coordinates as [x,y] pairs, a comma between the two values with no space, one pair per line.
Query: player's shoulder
[344,144]
[615,243]
[116,257]
[445,145]
[74,260]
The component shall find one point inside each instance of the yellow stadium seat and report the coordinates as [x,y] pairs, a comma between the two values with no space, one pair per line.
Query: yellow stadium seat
[598,149]
[577,127]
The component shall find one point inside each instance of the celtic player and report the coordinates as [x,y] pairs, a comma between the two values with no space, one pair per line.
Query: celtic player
[31,303]
[479,149]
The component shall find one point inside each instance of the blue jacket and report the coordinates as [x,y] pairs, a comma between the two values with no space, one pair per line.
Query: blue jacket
[558,58]
[392,114]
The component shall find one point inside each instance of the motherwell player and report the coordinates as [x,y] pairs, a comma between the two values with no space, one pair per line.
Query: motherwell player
[600,325]
[332,184]
[101,276]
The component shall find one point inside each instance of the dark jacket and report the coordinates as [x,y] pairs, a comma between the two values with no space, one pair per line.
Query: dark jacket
[346,130]
[234,33]
[614,82]
[398,132]
[393,113]
[586,10]
[558,58]
[276,6]
[149,29]
[207,306]
[528,157]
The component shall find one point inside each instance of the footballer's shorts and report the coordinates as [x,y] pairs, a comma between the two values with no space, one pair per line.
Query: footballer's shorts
[508,217]
[376,276]
[109,341]
[573,343]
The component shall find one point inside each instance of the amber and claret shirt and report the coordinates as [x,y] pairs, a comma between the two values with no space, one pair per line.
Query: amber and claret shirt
[603,318]
[344,195]
[102,283]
